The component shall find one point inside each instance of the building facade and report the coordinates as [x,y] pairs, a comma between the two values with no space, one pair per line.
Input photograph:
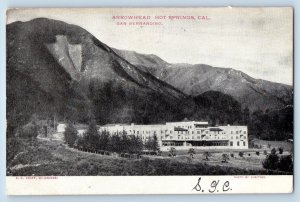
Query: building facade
[185,135]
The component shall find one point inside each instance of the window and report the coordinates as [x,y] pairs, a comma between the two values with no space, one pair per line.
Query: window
[244,143]
[238,143]
[192,132]
[245,132]
[198,132]
[231,137]
[198,137]
[231,144]
[192,137]
[237,137]
[237,132]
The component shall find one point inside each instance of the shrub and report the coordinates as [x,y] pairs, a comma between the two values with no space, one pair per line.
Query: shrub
[172,152]
[206,155]
[30,130]
[257,153]
[280,150]
[265,152]
[271,161]
[225,158]
[273,151]
[241,154]
[191,152]
[286,163]
[232,155]
[249,154]
[91,137]
[70,134]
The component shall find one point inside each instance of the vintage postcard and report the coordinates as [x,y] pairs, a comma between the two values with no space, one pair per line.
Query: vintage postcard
[149,100]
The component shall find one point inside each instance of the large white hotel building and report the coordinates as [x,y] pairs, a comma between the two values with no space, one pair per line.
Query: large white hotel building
[185,135]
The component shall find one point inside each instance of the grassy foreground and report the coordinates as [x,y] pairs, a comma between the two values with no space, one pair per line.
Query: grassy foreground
[44,157]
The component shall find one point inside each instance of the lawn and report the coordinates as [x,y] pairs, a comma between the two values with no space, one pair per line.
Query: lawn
[43,157]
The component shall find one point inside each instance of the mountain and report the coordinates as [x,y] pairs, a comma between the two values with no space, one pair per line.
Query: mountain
[59,70]
[54,68]
[193,80]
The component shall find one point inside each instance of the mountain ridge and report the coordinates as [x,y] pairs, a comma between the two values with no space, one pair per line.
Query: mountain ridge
[195,79]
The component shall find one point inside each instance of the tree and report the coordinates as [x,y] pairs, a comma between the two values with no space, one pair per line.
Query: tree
[125,143]
[136,145]
[206,155]
[155,146]
[91,137]
[103,140]
[280,150]
[70,134]
[225,158]
[241,154]
[271,161]
[172,152]
[30,130]
[191,152]
[273,151]
[286,163]
[114,143]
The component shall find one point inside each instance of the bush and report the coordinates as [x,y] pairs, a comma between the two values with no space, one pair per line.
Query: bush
[249,154]
[225,158]
[280,150]
[91,137]
[232,155]
[241,154]
[257,153]
[271,161]
[265,152]
[70,134]
[273,151]
[191,152]
[206,155]
[30,130]
[286,164]
[172,152]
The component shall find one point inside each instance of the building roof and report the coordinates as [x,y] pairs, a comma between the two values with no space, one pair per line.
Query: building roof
[180,129]
[215,129]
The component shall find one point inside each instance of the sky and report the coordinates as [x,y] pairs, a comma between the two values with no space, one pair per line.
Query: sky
[257,41]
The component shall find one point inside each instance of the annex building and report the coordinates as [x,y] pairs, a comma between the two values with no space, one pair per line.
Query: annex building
[187,134]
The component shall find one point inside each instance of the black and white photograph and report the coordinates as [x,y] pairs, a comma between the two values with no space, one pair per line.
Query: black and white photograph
[150,92]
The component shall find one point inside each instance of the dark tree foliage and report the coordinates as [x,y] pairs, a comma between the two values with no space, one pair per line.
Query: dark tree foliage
[271,161]
[272,124]
[104,141]
[114,144]
[91,137]
[30,130]
[172,152]
[191,152]
[152,143]
[280,150]
[70,134]
[225,158]
[286,163]
[206,155]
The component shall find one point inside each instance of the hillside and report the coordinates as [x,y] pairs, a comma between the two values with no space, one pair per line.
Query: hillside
[58,69]
[196,79]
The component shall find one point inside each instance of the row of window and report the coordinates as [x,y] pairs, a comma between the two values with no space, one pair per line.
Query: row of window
[237,143]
